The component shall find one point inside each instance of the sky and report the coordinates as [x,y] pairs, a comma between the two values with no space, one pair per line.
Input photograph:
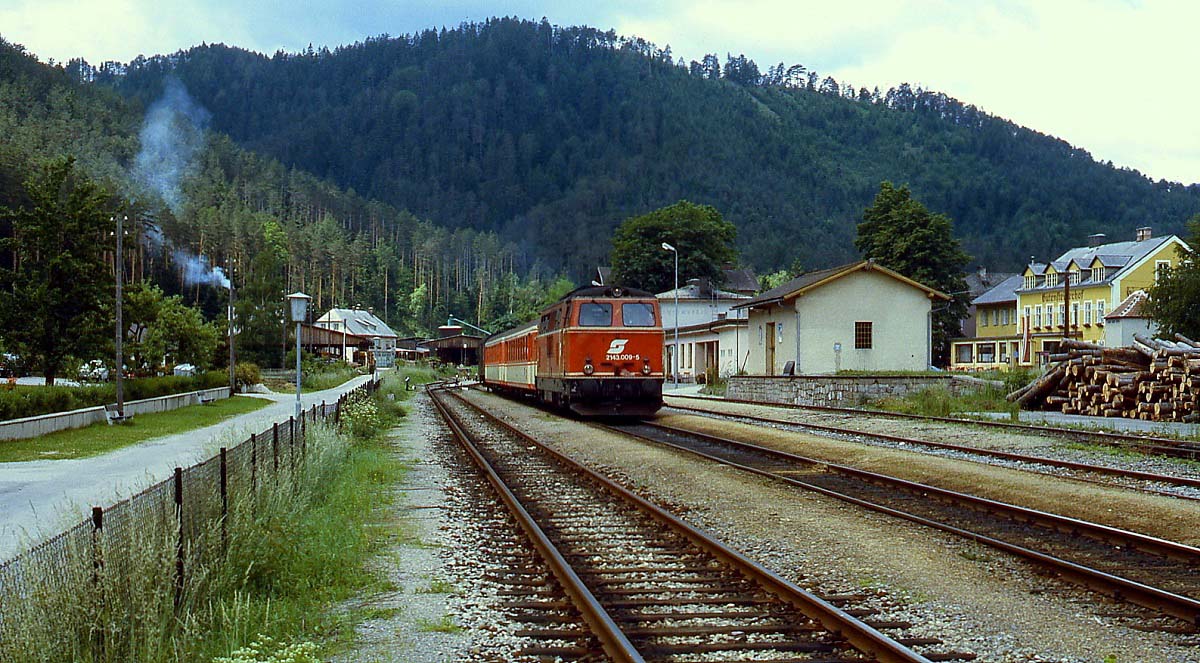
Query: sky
[1114,77]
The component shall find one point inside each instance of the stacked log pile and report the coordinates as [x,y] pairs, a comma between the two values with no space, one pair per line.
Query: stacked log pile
[1154,380]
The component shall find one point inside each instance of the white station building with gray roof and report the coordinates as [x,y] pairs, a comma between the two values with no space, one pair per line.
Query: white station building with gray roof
[363,323]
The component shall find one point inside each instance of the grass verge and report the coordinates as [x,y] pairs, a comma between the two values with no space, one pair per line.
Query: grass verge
[100,438]
[941,402]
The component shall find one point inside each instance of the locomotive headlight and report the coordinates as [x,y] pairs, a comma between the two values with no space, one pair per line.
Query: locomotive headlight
[646,367]
[588,369]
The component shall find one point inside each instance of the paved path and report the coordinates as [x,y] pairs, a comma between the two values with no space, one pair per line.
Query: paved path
[41,498]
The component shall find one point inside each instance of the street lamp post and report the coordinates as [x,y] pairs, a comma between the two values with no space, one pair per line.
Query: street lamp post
[675,348]
[299,306]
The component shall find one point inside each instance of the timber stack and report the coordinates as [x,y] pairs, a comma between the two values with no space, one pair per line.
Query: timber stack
[1153,380]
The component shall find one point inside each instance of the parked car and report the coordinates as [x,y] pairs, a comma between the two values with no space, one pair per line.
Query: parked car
[93,371]
[184,369]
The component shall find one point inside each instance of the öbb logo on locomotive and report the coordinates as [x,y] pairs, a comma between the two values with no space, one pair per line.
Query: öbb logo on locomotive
[616,351]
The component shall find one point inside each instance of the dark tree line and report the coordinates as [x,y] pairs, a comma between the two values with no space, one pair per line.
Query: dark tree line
[550,136]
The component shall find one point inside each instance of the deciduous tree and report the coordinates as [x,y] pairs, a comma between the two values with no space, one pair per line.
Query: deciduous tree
[55,296]
[704,241]
[901,234]
[1174,297]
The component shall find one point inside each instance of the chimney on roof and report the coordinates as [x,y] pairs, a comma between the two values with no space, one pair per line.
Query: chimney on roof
[1096,239]
[1143,233]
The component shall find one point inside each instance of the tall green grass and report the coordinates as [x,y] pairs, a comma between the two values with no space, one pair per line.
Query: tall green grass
[941,402]
[293,548]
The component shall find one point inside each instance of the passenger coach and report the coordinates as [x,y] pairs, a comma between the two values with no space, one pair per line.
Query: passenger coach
[597,351]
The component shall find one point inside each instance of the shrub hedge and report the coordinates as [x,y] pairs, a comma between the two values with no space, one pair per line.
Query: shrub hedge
[19,402]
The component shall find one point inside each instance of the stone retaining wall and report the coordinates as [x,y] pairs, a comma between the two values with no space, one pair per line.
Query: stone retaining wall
[18,429]
[838,390]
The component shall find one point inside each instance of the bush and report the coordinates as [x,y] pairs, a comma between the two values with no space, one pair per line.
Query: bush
[247,375]
[264,649]
[360,417]
[32,401]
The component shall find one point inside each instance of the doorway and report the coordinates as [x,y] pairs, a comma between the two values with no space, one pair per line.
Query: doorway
[770,348]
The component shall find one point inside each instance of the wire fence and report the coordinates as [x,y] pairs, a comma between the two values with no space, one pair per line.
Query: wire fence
[192,508]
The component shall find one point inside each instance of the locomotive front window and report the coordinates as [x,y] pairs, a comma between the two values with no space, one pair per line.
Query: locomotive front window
[595,315]
[637,314]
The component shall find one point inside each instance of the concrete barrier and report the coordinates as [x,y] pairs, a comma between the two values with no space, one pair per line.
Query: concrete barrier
[27,427]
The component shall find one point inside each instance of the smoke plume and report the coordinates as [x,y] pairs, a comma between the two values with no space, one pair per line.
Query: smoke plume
[172,136]
[197,270]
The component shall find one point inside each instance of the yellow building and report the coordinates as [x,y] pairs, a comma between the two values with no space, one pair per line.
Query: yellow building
[1023,320]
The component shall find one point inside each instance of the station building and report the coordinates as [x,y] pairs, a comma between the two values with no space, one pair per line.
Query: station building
[357,322]
[857,317]
[711,333]
[1023,320]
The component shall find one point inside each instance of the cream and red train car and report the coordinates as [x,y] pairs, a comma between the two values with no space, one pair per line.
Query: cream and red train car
[597,351]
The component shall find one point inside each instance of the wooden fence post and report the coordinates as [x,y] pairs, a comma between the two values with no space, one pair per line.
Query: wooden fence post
[179,545]
[98,567]
[275,449]
[224,500]
[253,463]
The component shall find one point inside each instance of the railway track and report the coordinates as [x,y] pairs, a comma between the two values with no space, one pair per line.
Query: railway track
[1150,572]
[1182,487]
[648,585]
[1163,446]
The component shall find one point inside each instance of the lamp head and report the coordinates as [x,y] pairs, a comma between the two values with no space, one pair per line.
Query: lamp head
[299,304]
[668,247]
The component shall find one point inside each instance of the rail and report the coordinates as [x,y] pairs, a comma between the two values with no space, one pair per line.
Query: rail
[857,633]
[750,457]
[1160,445]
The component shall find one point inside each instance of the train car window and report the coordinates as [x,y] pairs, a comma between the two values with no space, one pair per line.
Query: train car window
[595,315]
[637,314]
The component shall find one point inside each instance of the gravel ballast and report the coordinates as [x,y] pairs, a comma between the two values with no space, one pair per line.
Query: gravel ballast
[974,598]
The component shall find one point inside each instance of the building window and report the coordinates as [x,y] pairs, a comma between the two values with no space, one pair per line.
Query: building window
[963,353]
[1074,278]
[983,318]
[1004,316]
[1003,353]
[1037,315]
[1051,279]
[1062,311]
[1160,266]
[862,336]
[1026,315]
[1029,282]
[1087,313]
[987,353]
[1099,311]
[1097,274]
[995,317]
[1075,313]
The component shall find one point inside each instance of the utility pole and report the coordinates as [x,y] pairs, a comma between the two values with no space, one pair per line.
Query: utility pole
[232,353]
[119,270]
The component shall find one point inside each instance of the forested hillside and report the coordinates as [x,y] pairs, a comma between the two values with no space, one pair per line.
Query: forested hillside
[552,136]
[274,229]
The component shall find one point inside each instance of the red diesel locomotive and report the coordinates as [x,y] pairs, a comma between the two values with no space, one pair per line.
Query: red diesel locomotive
[597,351]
